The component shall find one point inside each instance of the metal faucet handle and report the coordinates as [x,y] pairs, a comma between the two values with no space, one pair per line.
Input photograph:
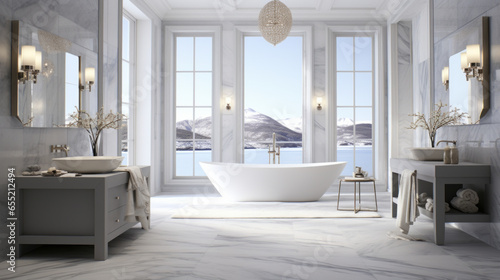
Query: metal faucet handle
[56,148]
[454,142]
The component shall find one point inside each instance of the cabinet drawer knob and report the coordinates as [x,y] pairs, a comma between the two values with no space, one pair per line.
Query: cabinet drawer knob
[117,197]
[117,220]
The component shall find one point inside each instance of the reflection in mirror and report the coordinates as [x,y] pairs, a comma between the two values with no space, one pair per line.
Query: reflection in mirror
[461,94]
[56,93]
[470,95]
[72,96]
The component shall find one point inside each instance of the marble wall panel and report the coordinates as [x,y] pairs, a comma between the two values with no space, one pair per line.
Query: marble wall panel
[20,147]
[404,139]
[228,130]
[450,15]
[479,143]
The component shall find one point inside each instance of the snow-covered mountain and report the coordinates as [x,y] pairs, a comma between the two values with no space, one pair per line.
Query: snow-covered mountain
[260,128]
[294,124]
[202,127]
[344,122]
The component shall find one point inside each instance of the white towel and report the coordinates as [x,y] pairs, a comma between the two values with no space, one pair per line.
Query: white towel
[407,201]
[469,195]
[138,203]
[429,205]
[422,199]
[463,205]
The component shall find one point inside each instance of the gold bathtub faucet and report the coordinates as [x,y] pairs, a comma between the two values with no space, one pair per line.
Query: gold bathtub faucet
[274,152]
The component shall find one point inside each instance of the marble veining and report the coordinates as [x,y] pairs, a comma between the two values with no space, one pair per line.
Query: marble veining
[480,144]
[20,146]
[267,249]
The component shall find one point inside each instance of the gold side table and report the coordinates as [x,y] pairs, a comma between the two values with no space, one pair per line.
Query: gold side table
[357,184]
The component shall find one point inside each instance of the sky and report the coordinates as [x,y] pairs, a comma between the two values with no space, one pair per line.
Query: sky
[273,76]
[458,84]
[273,82]
[72,84]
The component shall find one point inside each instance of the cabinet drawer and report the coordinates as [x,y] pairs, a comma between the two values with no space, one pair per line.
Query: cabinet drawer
[116,218]
[117,197]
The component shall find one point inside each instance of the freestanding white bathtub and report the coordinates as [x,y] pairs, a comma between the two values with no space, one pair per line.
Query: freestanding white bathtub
[265,182]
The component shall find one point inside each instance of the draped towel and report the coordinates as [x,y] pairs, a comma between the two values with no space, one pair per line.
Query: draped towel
[138,203]
[407,201]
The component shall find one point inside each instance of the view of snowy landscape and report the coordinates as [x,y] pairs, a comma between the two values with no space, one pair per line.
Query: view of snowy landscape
[273,103]
[259,130]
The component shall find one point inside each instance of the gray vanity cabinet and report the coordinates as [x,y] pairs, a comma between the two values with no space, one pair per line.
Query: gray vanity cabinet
[444,181]
[86,210]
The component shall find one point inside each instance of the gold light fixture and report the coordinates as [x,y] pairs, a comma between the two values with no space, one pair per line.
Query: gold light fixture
[228,103]
[89,76]
[29,64]
[275,22]
[470,62]
[445,77]
[319,100]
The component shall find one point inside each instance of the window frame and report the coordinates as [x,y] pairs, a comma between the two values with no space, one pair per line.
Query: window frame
[132,83]
[308,104]
[169,103]
[354,106]
[379,131]
[194,106]
[243,97]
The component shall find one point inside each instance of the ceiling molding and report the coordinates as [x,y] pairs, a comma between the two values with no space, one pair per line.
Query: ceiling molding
[405,10]
[241,10]
[324,5]
[252,14]
[159,7]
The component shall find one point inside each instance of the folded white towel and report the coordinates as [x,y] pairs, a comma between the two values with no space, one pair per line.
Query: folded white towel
[429,205]
[469,195]
[407,201]
[422,197]
[463,205]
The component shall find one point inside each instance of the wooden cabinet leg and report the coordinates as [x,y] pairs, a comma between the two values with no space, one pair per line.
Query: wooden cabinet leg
[395,191]
[439,219]
[100,252]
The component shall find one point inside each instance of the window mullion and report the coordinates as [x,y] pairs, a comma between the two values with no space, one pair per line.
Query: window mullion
[194,104]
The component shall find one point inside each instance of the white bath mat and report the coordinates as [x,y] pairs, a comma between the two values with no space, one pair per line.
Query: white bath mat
[218,208]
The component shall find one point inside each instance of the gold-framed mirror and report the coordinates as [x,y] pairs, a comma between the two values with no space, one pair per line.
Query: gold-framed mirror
[465,91]
[56,88]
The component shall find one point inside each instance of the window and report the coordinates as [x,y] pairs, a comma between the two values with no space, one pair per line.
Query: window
[72,87]
[355,93]
[273,97]
[193,103]
[128,82]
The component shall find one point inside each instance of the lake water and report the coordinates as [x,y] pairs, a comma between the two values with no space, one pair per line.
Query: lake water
[364,155]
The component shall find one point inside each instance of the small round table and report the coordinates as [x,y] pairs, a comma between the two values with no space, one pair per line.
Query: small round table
[357,184]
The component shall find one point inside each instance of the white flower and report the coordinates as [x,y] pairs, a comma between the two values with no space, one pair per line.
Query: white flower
[94,126]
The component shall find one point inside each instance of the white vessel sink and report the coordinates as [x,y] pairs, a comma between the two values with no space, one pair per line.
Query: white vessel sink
[87,164]
[426,153]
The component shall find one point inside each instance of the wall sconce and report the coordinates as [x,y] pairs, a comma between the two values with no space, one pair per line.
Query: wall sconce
[445,77]
[319,100]
[29,64]
[470,61]
[228,103]
[89,76]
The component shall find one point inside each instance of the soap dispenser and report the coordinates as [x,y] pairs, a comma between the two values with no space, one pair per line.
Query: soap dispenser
[454,154]
[447,154]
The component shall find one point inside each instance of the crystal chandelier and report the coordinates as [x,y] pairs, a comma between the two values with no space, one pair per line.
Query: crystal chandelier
[275,22]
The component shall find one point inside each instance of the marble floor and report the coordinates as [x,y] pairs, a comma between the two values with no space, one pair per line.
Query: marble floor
[340,248]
